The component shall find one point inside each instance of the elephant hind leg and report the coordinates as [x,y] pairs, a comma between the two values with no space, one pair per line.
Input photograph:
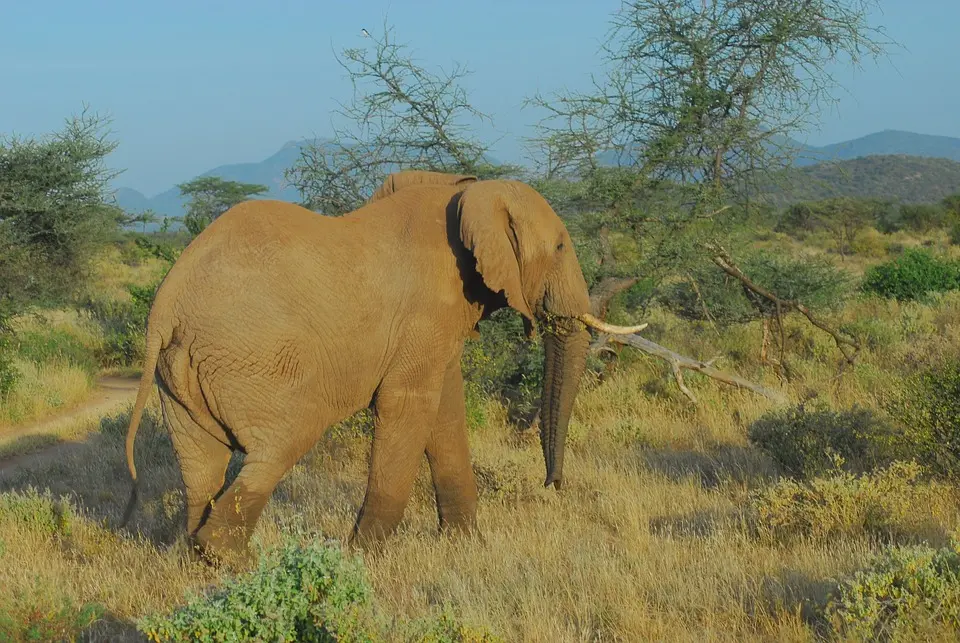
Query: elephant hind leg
[203,459]
[234,515]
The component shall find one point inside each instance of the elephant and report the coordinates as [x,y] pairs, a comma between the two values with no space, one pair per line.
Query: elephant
[277,322]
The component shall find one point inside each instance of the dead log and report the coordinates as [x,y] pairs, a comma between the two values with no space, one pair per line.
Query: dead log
[679,363]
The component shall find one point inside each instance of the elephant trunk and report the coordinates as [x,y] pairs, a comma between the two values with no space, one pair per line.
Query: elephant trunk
[565,354]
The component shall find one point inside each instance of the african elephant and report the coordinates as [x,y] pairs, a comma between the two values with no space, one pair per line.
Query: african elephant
[277,322]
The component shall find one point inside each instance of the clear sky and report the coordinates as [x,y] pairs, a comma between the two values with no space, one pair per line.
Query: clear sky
[193,85]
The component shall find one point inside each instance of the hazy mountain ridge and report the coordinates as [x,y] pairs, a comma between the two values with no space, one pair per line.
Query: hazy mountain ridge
[888,143]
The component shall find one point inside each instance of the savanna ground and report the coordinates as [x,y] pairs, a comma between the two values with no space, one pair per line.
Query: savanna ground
[671,525]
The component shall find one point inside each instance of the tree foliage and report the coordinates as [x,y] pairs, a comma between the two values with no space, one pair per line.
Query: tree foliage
[697,97]
[56,209]
[211,196]
[401,116]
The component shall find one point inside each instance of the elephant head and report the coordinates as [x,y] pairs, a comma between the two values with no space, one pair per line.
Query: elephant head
[523,250]
[399,180]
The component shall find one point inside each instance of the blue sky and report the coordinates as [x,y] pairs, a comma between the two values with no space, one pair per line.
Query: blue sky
[193,85]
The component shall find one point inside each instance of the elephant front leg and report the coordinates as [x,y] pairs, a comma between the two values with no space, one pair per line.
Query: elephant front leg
[402,418]
[448,453]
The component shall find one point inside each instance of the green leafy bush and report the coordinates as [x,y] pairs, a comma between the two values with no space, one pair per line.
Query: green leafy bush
[912,276]
[816,283]
[38,511]
[8,372]
[56,345]
[298,593]
[907,593]
[928,409]
[124,325]
[20,622]
[805,442]
[502,363]
[888,503]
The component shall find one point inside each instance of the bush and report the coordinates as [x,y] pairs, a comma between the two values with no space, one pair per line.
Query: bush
[805,442]
[38,511]
[889,503]
[816,283]
[61,623]
[502,363]
[912,276]
[299,592]
[124,325]
[56,345]
[907,593]
[924,217]
[8,372]
[928,408]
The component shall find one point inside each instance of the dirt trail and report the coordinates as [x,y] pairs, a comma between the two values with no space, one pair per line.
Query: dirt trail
[110,394]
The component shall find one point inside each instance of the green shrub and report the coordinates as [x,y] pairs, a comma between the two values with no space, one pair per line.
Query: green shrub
[27,621]
[907,593]
[912,276]
[8,372]
[38,511]
[805,442]
[924,217]
[815,282]
[124,325]
[56,345]
[299,592]
[888,503]
[928,408]
[502,363]
[446,627]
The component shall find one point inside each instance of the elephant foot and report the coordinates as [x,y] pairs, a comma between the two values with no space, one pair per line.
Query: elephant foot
[221,547]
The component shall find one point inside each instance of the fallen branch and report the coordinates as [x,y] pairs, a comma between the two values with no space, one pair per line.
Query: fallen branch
[844,344]
[679,363]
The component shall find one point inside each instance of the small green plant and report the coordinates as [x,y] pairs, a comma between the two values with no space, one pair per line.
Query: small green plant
[61,623]
[38,511]
[299,592]
[888,503]
[928,409]
[912,276]
[446,627]
[805,441]
[907,593]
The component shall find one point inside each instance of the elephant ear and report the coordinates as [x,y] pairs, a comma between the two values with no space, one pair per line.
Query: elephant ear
[399,180]
[492,228]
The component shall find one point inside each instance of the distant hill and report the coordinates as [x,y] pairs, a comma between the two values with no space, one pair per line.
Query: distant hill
[887,142]
[902,178]
[898,170]
[268,172]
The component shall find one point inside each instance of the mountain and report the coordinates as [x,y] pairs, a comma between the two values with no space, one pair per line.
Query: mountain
[906,179]
[268,172]
[892,145]
[885,143]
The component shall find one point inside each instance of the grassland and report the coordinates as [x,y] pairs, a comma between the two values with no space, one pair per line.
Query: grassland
[655,536]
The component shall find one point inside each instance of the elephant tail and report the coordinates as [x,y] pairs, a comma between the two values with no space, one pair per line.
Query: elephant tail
[154,342]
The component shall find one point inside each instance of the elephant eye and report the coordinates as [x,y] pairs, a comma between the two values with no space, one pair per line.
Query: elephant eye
[560,246]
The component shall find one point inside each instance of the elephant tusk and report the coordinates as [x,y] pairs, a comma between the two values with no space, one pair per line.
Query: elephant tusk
[604,327]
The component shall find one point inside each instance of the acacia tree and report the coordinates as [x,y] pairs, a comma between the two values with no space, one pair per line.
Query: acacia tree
[211,196]
[401,116]
[56,212]
[697,102]
[699,96]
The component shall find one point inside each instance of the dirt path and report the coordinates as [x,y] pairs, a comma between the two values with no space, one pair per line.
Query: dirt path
[110,394]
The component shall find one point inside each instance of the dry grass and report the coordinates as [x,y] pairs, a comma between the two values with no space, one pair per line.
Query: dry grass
[650,539]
